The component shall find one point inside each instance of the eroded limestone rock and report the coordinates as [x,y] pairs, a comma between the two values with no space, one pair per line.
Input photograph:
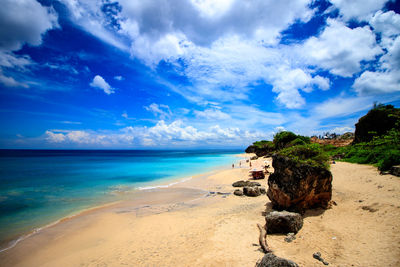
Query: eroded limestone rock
[297,187]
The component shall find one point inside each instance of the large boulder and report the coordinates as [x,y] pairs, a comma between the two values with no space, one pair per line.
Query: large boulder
[251,191]
[283,222]
[298,186]
[270,260]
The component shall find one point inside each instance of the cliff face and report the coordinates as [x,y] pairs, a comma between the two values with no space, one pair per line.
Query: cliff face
[297,187]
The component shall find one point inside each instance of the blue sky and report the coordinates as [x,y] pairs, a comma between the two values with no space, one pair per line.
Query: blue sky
[191,73]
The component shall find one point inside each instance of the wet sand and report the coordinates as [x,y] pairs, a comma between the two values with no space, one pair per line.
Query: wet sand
[191,224]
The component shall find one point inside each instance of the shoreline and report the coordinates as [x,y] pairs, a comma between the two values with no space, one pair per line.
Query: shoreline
[125,194]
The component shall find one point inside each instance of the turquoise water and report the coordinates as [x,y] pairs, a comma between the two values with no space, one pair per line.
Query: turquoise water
[38,187]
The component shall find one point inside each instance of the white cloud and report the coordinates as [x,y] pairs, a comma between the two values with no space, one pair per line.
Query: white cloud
[341,106]
[358,9]
[161,135]
[119,78]
[10,81]
[388,24]
[71,122]
[211,114]
[24,22]
[342,130]
[159,110]
[21,22]
[53,137]
[386,77]
[100,83]
[377,82]
[340,49]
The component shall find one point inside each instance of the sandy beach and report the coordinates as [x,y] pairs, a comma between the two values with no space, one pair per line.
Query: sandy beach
[191,224]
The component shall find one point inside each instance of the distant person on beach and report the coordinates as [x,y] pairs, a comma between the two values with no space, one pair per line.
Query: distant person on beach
[233,166]
[250,164]
[240,164]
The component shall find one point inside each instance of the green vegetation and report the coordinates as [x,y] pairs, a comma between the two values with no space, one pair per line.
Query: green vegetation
[311,154]
[296,147]
[376,141]
[382,151]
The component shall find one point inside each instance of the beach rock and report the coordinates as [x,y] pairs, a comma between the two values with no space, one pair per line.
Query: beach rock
[270,260]
[296,187]
[238,192]
[245,183]
[251,191]
[317,256]
[262,190]
[395,170]
[290,237]
[283,222]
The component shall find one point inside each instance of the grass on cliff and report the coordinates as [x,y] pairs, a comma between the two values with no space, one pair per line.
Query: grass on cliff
[311,154]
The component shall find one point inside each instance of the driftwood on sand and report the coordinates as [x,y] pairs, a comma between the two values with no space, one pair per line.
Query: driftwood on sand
[263,239]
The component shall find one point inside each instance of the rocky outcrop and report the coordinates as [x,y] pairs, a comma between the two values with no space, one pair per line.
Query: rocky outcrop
[296,186]
[283,222]
[251,191]
[270,260]
[245,183]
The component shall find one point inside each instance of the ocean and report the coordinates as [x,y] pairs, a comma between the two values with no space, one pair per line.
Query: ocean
[39,187]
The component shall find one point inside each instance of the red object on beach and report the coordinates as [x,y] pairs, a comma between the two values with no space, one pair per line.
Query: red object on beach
[257,174]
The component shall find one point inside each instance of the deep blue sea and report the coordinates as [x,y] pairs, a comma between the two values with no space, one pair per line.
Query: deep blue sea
[38,187]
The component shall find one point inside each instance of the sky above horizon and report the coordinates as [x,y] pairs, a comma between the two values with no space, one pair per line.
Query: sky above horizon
[160,74]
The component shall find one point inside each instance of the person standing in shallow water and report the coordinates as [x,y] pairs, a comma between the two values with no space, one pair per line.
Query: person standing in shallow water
[233,166]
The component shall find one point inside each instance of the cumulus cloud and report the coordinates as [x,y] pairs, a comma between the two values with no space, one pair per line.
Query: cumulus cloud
[99,83]
[341,49]
[225,48]
[358,9]
[222,52]
[377,82]
[21,22]
[386,77]
[24,22]
[119,78]
[387,24]
[161,134]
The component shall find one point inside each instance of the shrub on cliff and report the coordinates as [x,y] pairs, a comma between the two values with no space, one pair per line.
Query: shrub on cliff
[285,139]
[281,140]
[311,154]
[261,148]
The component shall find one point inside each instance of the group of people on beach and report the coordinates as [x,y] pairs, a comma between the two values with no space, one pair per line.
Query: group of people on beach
[240,164]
